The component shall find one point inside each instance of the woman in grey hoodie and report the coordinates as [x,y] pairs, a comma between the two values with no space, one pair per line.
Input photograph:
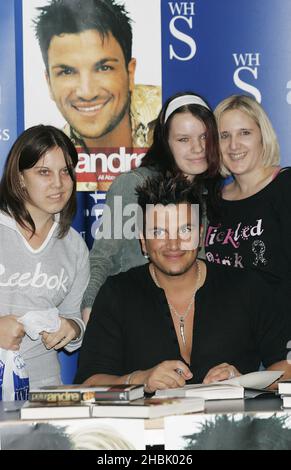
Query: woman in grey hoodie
[44,266]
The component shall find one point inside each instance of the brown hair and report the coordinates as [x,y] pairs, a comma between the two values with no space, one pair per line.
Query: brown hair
[26,151]
[159,154]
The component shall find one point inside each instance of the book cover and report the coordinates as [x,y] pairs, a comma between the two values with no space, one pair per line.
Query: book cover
[148,408]
[41,410]
[78,393]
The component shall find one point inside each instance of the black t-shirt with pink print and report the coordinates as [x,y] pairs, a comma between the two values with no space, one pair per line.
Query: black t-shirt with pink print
[254,232]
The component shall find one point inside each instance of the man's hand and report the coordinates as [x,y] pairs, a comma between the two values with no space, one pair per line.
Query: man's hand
[68,330]
[167,374]
[11,333]
[223,371]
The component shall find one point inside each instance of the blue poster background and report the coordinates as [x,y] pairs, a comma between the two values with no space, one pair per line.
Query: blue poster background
[10,80]
[231,47]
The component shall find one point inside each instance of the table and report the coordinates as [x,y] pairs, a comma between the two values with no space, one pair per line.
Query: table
[170,432]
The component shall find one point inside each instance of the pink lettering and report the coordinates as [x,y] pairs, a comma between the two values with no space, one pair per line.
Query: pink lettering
[210,236]
[229,239]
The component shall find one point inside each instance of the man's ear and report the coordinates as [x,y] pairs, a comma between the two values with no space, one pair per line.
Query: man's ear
[131,73]
[47,77]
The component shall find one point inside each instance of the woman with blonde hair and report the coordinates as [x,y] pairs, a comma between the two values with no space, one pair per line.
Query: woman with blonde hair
[253,222]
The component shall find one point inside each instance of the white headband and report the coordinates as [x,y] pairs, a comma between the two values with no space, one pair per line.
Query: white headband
[182,101]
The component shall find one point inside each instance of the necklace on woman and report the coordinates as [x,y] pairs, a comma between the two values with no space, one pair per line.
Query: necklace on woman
[182,317]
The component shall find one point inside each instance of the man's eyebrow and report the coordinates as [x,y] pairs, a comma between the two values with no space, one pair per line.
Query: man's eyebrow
[97,64]
[107,59]
[63,66]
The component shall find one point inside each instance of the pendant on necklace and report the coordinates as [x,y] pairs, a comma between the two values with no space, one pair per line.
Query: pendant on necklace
[182,330]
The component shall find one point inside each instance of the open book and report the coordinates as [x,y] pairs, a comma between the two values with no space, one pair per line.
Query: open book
[225,389]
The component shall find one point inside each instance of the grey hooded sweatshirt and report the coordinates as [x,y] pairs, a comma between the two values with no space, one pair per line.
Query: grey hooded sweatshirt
[54,275]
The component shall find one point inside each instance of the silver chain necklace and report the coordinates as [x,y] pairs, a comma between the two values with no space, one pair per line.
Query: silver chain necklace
[192,300]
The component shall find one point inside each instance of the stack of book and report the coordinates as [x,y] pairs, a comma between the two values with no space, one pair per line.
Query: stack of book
[118,401]
[284,389]
[73,401]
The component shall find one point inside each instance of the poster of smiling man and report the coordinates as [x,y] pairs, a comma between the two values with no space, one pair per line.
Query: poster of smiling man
[93,77]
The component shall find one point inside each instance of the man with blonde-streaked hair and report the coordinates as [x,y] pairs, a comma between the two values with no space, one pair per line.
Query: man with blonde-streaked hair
[177,319]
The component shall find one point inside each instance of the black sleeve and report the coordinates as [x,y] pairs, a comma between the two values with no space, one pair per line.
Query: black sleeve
[102,350]
[271,325]
[284,211]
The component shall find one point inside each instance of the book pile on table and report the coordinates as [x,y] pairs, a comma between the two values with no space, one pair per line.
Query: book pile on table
[118,401]
[75,401]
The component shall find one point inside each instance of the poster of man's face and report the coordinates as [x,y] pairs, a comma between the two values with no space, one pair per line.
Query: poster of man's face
[88,71]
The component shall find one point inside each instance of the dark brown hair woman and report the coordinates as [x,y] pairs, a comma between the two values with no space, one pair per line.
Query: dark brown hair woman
[44,266]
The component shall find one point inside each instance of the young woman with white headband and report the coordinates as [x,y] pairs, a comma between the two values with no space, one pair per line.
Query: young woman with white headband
[185,140]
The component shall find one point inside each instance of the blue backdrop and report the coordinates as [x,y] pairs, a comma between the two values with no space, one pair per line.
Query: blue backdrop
[227,47]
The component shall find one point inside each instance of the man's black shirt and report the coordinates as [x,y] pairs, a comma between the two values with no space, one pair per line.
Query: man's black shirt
[237,320]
